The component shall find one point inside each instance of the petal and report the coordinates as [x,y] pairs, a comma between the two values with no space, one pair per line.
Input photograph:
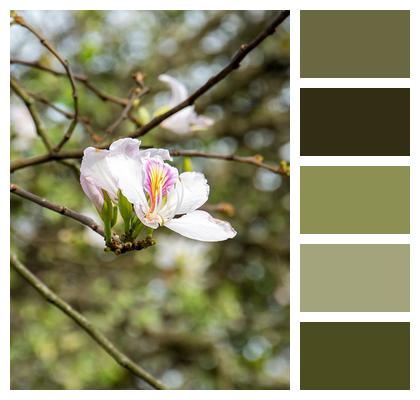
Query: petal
[193,191]
[181,121]
[201,122]
[130,180]
[179,91]
[200,225]
[168,210]
[124,162]
[141,212]
[96,167]
[92,191]
[127,146]
[160,153]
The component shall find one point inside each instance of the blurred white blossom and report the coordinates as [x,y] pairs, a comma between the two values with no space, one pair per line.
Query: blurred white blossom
[190,257]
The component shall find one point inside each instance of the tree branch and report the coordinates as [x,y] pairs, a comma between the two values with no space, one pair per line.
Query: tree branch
[85,121]
[116,245]
[83,219]
[85,324]
[44,41]
[256,160]
[136,93]
[233,65]
[25,97]
[83,79]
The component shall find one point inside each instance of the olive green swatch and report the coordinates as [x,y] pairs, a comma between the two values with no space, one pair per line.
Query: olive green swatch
[355,355]
[355,200]
[355,277]
[355,44]
[355,122]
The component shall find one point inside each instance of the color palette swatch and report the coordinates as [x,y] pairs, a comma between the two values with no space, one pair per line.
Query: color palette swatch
[355,355]
[358,198]
[355,122]
[355,199]
[355,277]
[355,44]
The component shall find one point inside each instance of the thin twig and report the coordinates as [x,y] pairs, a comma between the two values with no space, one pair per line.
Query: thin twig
[85,121]
[83,219]
[24,96]
[255,160]
[117,246]
[78,77]
[44,41]
[73,168]
[85,324]
[86,82]
[136,93]
[233,65]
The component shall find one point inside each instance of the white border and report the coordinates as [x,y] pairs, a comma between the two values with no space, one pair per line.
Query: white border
[296,238]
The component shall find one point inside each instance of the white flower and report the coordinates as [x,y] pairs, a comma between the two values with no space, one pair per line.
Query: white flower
[190,257]
[160,195]
[186,120]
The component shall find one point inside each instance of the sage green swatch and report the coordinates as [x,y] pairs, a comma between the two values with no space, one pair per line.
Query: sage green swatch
[355,355]
[355,44]
[355,277]
[355,200]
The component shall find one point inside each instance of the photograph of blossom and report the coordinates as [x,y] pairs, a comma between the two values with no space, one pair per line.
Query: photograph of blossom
[149,199]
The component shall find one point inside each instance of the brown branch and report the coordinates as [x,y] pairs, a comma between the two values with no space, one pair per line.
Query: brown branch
[233,65]
[85,324]
[136,93]
[25,97]
[85,121]
[83,219]
[256,160]
[83,79]
[281,169]
[116,245]
[44,41]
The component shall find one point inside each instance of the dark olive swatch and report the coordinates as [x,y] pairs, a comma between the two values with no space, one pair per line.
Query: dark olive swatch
[355,355]
[355,122]
[355,44]
[353,200]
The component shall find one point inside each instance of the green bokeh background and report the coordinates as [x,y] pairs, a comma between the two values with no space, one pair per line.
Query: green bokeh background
[196,315]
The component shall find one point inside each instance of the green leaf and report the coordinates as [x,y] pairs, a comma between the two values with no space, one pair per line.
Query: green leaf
[114,215]
[125,207]
[107,215]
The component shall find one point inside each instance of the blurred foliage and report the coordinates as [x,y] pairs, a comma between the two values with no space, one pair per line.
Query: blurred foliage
[196,315]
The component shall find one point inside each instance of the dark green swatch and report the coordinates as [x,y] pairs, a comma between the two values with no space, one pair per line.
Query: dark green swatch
[355,277]
[354,355]
[355,200]
[355,122]
[355,44]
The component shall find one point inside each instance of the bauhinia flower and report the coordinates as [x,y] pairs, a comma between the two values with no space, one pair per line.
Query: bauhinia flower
[186,120]
[159,194]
